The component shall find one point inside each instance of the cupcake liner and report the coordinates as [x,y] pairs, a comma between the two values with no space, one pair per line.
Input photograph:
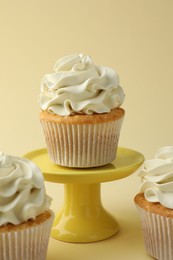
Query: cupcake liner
[30,243]
[157,233]
[82,145]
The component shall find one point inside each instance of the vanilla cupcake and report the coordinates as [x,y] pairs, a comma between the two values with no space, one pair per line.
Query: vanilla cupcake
[25,217]
[80,112]
[155,204]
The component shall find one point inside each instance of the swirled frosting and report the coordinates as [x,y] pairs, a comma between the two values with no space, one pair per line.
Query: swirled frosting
[78,86]
[157,177]
[22,191]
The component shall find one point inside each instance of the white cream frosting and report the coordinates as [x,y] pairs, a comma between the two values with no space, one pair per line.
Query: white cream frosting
[157,177]
[22,191]
[78,86]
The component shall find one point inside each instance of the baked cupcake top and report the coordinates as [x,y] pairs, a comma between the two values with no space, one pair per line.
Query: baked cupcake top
[157,177]
[78,86]
[22,191]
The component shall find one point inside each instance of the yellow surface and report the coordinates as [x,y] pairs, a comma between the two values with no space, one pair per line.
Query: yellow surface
[126,162]
[134,37]
[82,218]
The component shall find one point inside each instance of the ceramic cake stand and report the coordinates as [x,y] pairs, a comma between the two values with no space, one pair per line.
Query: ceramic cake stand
[83,218]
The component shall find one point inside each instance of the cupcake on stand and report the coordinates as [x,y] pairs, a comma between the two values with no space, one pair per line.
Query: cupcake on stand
[80,112]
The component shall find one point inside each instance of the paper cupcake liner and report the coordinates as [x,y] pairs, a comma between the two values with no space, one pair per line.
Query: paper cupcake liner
[26,244]
[82,145]
[158,234]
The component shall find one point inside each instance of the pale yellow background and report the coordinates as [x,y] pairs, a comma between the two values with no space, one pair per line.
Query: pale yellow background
[134,37]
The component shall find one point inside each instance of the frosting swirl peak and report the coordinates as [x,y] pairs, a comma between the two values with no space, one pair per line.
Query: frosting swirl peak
[78,86]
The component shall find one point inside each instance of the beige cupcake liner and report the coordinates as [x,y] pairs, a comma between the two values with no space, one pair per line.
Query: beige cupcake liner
[157,233]
[82,145]
[26,244]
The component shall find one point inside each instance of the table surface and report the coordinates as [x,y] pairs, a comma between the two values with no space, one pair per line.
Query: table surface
[117,198]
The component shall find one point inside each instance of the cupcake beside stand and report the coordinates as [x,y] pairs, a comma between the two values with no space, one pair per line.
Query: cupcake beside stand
[154,203]
[25,216]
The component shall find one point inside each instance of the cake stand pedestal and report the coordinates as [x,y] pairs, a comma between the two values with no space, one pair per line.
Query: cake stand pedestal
[82,217]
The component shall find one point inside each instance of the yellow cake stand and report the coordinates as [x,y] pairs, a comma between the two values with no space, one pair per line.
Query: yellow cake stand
[82,217]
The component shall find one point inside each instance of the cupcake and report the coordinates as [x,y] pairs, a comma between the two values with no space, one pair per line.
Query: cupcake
[25,217]
[80,112]
[155,204]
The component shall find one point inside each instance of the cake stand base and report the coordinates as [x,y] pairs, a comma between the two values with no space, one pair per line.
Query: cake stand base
[83,218]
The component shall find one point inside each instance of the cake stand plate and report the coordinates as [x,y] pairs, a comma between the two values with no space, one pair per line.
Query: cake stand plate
[82,217]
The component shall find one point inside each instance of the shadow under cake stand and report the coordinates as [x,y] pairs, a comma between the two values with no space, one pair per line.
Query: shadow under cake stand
[82,218]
